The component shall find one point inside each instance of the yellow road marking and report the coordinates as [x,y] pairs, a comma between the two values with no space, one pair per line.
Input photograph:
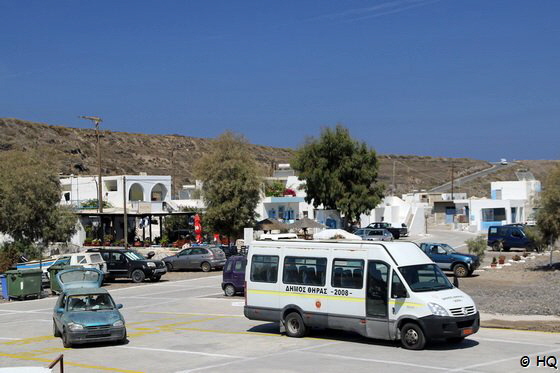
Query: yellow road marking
[167,327]
[187,314]
[312,296]
[70,363]
[26,341]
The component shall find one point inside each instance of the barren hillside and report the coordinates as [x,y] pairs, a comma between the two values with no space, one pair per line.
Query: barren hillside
[131,153]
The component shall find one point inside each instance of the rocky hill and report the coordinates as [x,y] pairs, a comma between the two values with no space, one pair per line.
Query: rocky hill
[131,153]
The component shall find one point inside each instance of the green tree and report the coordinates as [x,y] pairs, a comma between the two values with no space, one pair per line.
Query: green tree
[548,214]
[30,192]
[231,185]
[340,173]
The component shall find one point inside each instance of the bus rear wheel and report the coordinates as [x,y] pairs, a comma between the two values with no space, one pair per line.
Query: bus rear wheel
[295,327]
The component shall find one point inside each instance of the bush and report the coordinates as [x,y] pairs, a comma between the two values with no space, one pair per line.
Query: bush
[534,234]
[477,246]
[11,252]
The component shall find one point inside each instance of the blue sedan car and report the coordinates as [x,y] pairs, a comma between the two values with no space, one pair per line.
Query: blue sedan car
[84,312]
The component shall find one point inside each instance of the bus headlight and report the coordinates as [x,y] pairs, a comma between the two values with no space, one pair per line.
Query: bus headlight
[437,310]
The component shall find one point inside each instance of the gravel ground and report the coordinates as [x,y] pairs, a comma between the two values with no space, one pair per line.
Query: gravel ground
[529,288]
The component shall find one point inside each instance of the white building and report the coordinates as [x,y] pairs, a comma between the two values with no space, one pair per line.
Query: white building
[140,190]
[147,199]
[396,211]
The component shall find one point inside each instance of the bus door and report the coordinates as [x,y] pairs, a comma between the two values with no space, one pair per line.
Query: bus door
[377,317]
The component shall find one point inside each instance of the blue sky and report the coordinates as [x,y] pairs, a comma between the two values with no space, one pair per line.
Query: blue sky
[452,78]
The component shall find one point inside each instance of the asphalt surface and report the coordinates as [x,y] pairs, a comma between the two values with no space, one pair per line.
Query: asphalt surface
[189,326]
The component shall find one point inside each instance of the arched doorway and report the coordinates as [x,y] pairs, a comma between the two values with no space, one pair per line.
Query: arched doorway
[136,192]
[159,193]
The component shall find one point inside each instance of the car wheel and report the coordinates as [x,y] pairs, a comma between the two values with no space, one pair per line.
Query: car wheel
[497,246]
[65,341]
[55,332]
[229,290]
[138,276]
[155,278]
[460,270]
[169,266]
[206,267]
[295,327]
[455,340]
[412,337]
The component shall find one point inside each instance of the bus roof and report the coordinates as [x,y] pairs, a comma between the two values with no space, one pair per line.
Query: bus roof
[404,253]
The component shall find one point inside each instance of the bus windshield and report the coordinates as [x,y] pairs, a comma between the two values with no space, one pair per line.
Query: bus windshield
[425,277]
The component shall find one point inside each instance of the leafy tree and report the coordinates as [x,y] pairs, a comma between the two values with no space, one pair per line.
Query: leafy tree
[340,173]
[477,246]
[29,201]
[231,185]
[548,214]
[274,189]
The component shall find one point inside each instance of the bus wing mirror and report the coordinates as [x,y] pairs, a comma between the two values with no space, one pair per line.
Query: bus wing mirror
[456,281]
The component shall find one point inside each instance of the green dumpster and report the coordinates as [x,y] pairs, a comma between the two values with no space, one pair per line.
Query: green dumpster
[53,270]
[24,282]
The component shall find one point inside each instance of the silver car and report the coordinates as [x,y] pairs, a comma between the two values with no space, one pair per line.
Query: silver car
[204,257]
[373,234]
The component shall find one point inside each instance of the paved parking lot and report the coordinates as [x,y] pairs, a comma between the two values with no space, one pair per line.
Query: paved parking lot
[189,326]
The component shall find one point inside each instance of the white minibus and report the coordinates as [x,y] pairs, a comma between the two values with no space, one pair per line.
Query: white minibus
[382,290]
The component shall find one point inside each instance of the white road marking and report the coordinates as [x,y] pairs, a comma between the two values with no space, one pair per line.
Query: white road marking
[11,339]
[392,362]
[259,357]
[192,314]
[180,352]
[510,341]
[493,362]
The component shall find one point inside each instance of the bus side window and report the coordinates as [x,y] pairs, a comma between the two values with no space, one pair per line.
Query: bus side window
[304,271]
[348,273]
[264,268]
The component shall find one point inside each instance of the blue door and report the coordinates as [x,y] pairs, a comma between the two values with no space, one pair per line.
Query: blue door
[449,214]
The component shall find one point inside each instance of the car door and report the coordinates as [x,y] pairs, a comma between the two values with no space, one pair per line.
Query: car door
[196,258]
[516,239]
[439,255]
[60,304]
[238,274]
[119,264]
[182,259]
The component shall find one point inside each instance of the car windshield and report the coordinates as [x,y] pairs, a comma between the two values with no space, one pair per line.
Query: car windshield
[133,255]
[425,277]
[90,302]
[448,248]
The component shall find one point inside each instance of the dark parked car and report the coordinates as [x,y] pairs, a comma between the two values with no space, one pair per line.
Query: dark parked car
[205,258]
[233,280]
[447,258]
[395,231]
[130,264]
[84,312]
[504,237]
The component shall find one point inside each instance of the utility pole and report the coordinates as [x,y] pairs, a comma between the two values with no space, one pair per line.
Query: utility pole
[96,121]
[125,217]
[452,179]
[394,188]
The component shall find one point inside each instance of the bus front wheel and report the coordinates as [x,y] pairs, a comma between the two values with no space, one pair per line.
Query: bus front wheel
[295,327]
[412,337]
